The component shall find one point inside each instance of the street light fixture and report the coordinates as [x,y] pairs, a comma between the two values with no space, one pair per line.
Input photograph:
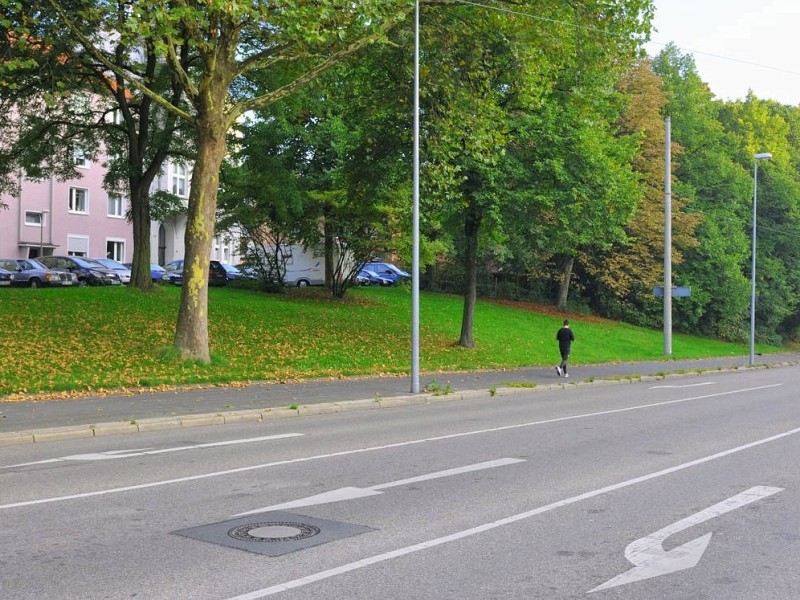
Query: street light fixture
[756,158]
[42,214]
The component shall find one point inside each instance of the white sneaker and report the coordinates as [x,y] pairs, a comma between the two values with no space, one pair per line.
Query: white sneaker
[566,374]
[558,370]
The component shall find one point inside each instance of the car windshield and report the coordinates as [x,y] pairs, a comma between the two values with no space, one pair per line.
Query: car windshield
[111,264]
[87,262]
[10,265]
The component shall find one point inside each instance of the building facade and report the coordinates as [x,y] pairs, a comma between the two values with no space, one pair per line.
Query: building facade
[78,217]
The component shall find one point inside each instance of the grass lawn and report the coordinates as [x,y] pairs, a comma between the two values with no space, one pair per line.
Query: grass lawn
[83,340]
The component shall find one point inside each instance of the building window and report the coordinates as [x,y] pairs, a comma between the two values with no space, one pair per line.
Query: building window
[178,180]
[78,200]
[77,245]
[115,249]
[34,217]
[116,206]
[80,159]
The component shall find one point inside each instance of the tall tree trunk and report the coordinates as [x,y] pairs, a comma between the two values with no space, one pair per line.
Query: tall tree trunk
[472,223]
[329,258]
[191,336]
[566,264]
[140,217]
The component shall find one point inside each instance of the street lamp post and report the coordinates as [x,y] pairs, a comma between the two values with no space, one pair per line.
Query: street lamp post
[756,158]
[42,215]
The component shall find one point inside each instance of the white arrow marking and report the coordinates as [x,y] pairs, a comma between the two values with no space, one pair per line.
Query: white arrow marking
[678,387]
[351,493]
[147,451]
[650,558]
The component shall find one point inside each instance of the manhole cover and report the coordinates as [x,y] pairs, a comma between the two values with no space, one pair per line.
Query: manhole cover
[273,531]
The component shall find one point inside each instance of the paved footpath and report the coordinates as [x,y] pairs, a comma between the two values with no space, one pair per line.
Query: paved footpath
[45,420]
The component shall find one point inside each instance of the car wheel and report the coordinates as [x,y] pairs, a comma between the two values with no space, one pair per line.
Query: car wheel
[82,282]
[34,283]
[302,283]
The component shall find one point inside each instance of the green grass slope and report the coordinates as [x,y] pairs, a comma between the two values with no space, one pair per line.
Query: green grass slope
[94,339]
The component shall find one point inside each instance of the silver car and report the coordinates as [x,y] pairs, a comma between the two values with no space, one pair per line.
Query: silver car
[28,272]
[120,269]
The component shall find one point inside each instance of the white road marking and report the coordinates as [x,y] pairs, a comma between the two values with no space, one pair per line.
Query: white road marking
[290,461]
[110,454]
[351,493]
[679,387]
[378,558]
[650,558]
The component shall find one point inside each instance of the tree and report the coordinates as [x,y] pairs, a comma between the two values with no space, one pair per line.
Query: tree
[229,40]
[716,186]
[61,93]
[625,273]
[757,126]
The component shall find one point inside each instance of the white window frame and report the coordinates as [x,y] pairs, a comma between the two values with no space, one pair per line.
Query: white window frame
[119,251]
[79,158]
[116,206]
[179,180]
[82,241]
[74,207]
[34,218]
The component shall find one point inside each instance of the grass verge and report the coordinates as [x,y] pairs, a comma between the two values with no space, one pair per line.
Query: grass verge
[75,341]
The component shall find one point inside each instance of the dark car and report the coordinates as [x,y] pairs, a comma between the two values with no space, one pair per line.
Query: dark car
[369,277]
[232,272]
[28,272]
[387,270]
[5,278]
[217,275]
[88,271]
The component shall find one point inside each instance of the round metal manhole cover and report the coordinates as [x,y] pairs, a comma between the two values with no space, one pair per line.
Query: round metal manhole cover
[273,531]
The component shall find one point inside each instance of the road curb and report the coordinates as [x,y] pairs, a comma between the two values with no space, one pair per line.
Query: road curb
[298,410]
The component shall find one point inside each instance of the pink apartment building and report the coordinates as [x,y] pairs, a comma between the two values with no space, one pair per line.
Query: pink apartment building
[78,217]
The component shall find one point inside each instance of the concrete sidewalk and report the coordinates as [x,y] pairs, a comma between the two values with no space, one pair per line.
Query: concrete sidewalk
[44,420]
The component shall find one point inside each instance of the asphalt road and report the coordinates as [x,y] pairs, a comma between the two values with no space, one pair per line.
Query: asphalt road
[684,488]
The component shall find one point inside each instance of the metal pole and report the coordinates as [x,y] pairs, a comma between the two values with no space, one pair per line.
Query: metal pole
[42,216]
[415,220]
[756,157]
[668,238]
[753,270]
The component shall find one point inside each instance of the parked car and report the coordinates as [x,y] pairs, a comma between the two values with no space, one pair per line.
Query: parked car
[5,278]
[369,277]
[121,270]
[387,270]
[232,271]
[173,273]
[157,273]
[88,271]
[27,272]
[217,275]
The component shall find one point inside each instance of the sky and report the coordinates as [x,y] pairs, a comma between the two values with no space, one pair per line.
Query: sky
[738,45]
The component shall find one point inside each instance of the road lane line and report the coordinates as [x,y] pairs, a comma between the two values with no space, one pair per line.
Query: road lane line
[142,486]
[350,493]
[679,387]
[111,454]
[459,535]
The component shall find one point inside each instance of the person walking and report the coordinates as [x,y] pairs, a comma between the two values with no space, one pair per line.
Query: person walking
[565,338]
